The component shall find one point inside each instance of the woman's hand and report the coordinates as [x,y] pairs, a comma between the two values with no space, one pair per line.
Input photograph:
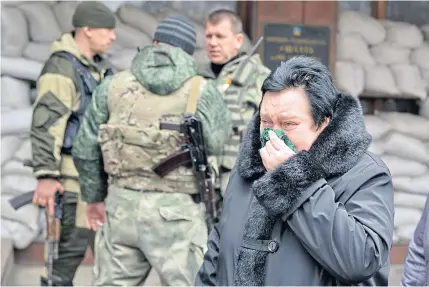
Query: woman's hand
[275,152]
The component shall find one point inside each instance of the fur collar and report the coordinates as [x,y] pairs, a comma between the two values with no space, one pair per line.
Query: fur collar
[337,149]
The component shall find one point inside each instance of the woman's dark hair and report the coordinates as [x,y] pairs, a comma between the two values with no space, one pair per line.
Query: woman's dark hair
[313,76]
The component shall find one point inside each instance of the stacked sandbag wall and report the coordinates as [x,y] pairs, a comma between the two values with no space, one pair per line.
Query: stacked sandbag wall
[402,142]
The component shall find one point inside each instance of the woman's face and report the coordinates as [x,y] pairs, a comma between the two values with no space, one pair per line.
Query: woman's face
[290,110]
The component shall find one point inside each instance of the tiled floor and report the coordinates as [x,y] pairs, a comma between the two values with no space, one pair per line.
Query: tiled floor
[29,276]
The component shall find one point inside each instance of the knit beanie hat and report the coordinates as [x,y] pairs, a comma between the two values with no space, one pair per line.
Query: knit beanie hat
[177,31]
[93,14]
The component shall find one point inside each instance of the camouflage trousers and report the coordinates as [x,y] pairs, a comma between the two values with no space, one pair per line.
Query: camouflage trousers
[165,231]
[72,246]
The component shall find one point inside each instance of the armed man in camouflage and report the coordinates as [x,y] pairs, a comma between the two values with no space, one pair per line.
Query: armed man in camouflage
[147,220]
[238,80]
[64,90]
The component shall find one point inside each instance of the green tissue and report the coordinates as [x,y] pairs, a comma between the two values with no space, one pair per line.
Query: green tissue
[265,137]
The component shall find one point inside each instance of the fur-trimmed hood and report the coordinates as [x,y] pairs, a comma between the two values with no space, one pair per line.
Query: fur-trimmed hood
[337,149]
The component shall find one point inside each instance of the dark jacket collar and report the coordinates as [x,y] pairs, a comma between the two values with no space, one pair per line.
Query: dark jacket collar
[335,151]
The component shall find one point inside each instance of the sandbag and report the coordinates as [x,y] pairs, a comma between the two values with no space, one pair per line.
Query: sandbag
[42,22]
[139,19]
[387,54]
[122,60]
[369,28]
[406,216]
[376,127]
[352,48]
[406,123]
[114,48]
[376,147]
[39,52]
[63,12]
[9,145]
[424,108]
[349,77]
[21,68]
[15,167]
[406,233]
[404,35]
[406,147]
[200,56]
[409,81]
[16,184]
[20,234]
[16,121]
[15,93]
[14,33]
[24,151]
[379,81]
[418,184]
[129,37]
[33,96]
[420,56]
[403,167]
[410,200]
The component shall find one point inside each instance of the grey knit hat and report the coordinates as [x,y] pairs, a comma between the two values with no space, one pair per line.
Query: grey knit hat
[93,14]
[177,31]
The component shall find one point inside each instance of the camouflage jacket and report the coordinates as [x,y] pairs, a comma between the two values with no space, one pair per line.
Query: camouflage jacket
[57,98]
[161,76]
[240,86]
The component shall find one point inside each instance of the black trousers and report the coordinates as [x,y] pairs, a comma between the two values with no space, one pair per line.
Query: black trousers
[72,246]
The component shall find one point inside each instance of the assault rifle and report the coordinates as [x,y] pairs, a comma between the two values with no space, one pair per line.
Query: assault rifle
[53,224]
[193,153]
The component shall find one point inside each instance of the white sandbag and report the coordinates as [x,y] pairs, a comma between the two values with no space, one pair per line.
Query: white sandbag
[410,200]
[42,22]
[199,29]
[376,147]
[387,54]
[200,56]
[406,123]
[139,19]
[406,216]
[27,216]
[20,234]
[14,33]
[353,48]
[369,28]
[63,12]
[114,48]
[21,68]
[122,60]
[409,81]
[405,233]
[16,184]
[130,37]
[404,35]
[15,93]
[349,77]
[39,52]
[379,81]
[424,108]
[16,121]
[403,167]
[15,167]
[420,56]
[376,127]
[425,30]
[24,151]
[407,147]
[9,145]
[418,184]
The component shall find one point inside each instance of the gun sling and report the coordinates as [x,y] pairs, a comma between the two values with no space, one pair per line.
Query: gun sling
[180,158]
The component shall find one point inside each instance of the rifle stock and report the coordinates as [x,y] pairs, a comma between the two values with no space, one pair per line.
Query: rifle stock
[19,201]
